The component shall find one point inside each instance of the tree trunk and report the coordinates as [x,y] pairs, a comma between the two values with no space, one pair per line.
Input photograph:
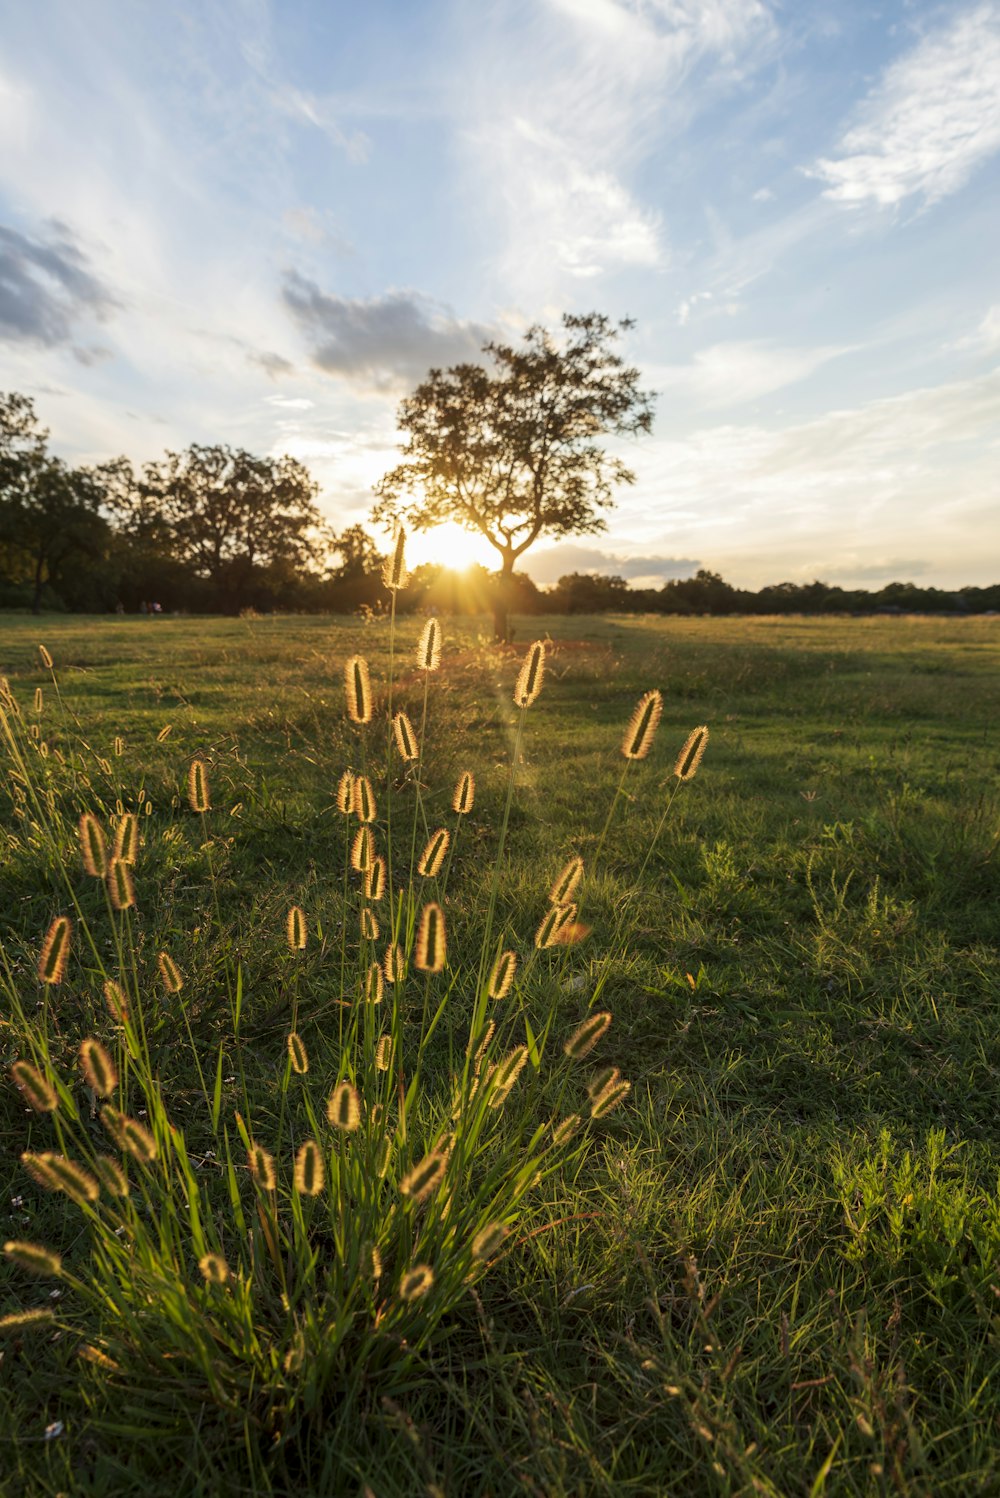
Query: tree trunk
[501,603]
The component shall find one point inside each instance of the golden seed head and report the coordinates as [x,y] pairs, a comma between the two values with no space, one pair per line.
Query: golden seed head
[489,1240]
[56,1173]
[37,1091]
[690,756]
[310,1172]
[642,725]
[554,920]
[119,746]
[362,850]
[483,1046]
[198,787]
[586,1036]
[502,976]
[295,929]
[506,1073]
[127,837]
[55,950]
[612,1095]
[345,792]
[111,1176]
[602,1079]
[375,879]
[425,1177]
[394,964]
[45,657]
[214,1269]
[430,950]
[369,924]
[394,569]
[429,649]
[383,1053]
[120,886]
[406,739]
[416,1282]
[33,1257]
[529,681]
[114,998]
[374,984]
[297,1053]
[344,1108]
[566,883]
[39,699]
[92,846]
[23,1321]
[364,799]
[359,690]
[465,793]
[170,973]
[164,733]
[571,932]
[261,1166]
[100,1359]
[98,1067]
[563,1131]
[130,1135]
[432,857]
[375,1261]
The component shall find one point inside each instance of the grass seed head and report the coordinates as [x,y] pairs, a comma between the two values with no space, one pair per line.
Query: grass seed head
[111,1176]
[642,726]
[416,1282]
[298,1054]
[690,756]
[394,964]
[362,850]
[383,1053]
[46,659]
[24,1321]
[369,924]
[39,699]
[214,1269]
[529,681]
[33,1257]
[345,792]
[394,569]
[502,975]
[120,886]
[344,1108]
[127,838]
[425,1177]
[359,690]
[170,973]
[563,1131]
[489,1240]
[554,920]
[310,1172]
[295,929]
[614,1093]
[432,857]
[506,1074]
[585,1036]
[406,739]
[431,948]
[375,879]
[198,787]
[465,793]
[55,950]
[130,1135]
[98,1067]
[36,1089]
[374,984]
[375,1261]
[566,882]
[93,848]
[117,1003]
[56,1173]
[602,1079]
[261,1166]
[364,799]
[429,649]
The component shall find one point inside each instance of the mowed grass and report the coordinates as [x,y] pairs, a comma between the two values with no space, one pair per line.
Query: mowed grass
[775,1268]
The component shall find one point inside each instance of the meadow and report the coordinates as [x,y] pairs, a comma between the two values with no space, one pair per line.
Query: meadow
[375,1258]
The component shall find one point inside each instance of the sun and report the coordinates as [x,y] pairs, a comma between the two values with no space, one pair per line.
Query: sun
[449,545]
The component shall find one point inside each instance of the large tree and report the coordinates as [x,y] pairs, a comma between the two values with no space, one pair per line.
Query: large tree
[514,451]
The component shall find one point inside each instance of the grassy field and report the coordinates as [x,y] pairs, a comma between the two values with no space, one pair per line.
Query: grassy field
[773,1268]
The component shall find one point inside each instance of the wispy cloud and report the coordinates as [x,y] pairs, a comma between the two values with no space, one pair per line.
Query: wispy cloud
[383,344]
[46,288]
[727,374]
[930,122]
[548,564]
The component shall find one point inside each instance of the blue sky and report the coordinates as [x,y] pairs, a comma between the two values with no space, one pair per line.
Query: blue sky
[261,223]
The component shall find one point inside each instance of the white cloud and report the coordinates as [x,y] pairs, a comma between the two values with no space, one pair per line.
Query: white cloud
[726,374]
[933,118]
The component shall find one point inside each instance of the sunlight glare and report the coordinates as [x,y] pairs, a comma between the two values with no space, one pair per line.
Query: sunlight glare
[450,546]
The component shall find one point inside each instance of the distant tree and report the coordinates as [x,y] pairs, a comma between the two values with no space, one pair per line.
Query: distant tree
[238,520]
[513,452]
[359,555]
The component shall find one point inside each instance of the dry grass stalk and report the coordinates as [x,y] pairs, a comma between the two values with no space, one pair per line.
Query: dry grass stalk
[430,950]
[585,1036]
[45,657]
[170,973]
[120,885]
[130,1135]
[566,882]
[416,1282]
[55,950]
[261,1166]
[375,879]
[506,1074]
[127,838]
[394,569]
[431,859]
[425,1177]
[36,1089]
[489,1240]
[33,1257]
[502,976]
[555,918]
[374,984]
[564,1130]
[298,1055]
[613,1094]
[690,756]
[529,681]
[364,799]
[429,649]
[465,793]
[198,787]
[363,850]
[642,725]
[344,1108]
[98,1067]
[383,1053]
[369,924]
[111,1176]
[406,739]
[117,1003]
[310,1172]
[359,690]
[56,1173]
[295,929]
[394,964]
[214,1269]
[93,848]
[345,792]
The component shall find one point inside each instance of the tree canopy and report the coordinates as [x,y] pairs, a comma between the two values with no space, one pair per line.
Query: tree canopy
[514,452]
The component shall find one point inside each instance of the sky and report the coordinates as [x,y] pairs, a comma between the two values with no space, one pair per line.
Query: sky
[261,222]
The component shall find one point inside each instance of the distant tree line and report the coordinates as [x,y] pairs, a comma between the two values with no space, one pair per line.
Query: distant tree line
[216,529]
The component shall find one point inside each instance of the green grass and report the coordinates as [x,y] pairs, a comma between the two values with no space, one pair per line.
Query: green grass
[774,1269]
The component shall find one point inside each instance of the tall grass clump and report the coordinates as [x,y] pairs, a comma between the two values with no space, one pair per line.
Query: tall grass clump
[285,1250]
